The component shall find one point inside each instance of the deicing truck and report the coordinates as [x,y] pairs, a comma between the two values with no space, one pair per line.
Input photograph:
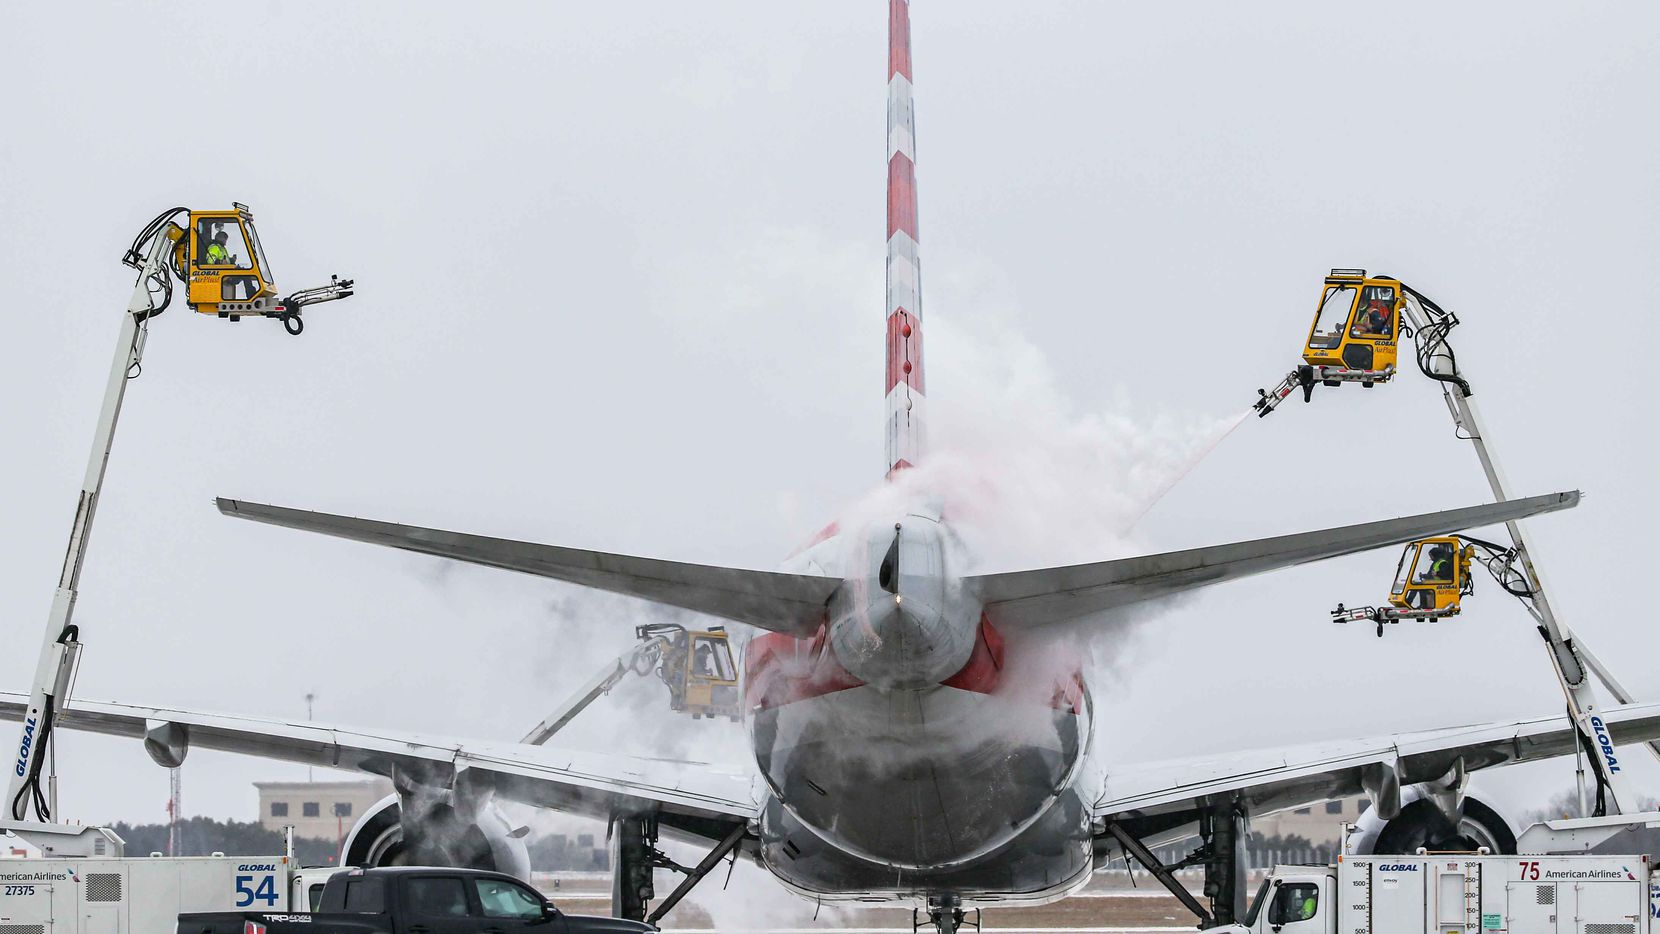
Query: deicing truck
[137,895]
[1456,893]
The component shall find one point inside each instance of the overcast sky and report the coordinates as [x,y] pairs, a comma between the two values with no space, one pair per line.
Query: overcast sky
[620,287]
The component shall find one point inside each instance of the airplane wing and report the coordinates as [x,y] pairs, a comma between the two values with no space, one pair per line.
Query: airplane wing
[780,602]
[1031,599]
[693,797]
[1296,776]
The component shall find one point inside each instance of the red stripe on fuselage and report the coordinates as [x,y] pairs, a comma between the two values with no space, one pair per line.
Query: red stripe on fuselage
[904,351]
[902,195]
[899,38]
[984,671]
[781,669]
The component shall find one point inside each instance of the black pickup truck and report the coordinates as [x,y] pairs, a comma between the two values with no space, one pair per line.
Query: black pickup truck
[415,900]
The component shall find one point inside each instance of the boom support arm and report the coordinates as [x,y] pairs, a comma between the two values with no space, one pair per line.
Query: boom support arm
[646,654]
[60,650]
[1614,793]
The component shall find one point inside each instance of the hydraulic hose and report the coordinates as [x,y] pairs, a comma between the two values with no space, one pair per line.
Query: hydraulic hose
[136,253]
[1431,340]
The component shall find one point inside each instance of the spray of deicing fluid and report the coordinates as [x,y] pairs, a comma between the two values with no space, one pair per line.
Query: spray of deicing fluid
[1191,465]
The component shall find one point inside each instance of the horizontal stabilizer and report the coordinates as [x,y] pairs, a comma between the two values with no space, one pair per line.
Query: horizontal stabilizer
[791,603]
[1026,599]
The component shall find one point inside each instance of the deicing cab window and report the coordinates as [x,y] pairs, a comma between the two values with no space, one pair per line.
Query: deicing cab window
[1404,569]
[1334,314]
[220,242]
[1298,901]
[710,659]
[501,899]
[1373,319]
[437,897]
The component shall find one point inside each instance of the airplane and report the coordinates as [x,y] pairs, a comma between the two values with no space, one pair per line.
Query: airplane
[916,738]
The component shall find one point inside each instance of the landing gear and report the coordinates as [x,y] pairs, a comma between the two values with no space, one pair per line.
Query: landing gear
[1221,850]
[945,916]
[633,841]
[634,856]
[1222,829]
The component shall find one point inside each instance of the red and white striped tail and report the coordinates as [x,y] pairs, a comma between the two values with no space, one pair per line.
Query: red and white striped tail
[906,411]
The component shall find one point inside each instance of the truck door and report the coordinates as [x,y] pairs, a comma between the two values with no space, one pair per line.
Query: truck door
[26,908]
[1300,907]
[104,902]
[437,904]
[1606,907]
[513,908]
[1530,907]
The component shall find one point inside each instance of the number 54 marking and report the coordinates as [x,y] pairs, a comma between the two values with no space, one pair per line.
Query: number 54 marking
[247,894]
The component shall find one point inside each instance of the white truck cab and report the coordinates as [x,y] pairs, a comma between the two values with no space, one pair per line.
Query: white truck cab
[305,886]
[1456,893]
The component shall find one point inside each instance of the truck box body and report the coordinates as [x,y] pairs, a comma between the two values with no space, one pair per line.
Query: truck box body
[1458,894]
[136,895]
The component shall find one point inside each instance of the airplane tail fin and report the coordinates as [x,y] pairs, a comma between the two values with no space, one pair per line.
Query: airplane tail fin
[1037,598]
[905,393]
[789,603]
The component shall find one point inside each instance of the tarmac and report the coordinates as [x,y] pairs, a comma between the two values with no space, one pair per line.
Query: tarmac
[1110,904]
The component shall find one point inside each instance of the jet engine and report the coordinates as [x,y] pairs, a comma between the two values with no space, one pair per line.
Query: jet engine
[409,831]
[1423,823]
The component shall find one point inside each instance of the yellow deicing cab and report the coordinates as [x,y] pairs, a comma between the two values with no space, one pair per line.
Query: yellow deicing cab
[1356,325]
[1433,574]
[698,668]
[226,266]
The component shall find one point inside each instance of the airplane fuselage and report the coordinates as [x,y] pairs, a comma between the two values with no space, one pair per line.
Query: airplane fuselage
[908,753]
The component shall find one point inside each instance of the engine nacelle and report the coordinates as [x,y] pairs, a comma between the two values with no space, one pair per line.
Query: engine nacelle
[391,834]
[1421,823]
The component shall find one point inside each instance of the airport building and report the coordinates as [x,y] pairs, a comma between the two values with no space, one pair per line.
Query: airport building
[318,810]
[1320,824]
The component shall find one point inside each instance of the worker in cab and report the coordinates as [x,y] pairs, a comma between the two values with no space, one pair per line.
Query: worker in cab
[217,255]
[1294,903]
[1373,319]
[1440,564]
